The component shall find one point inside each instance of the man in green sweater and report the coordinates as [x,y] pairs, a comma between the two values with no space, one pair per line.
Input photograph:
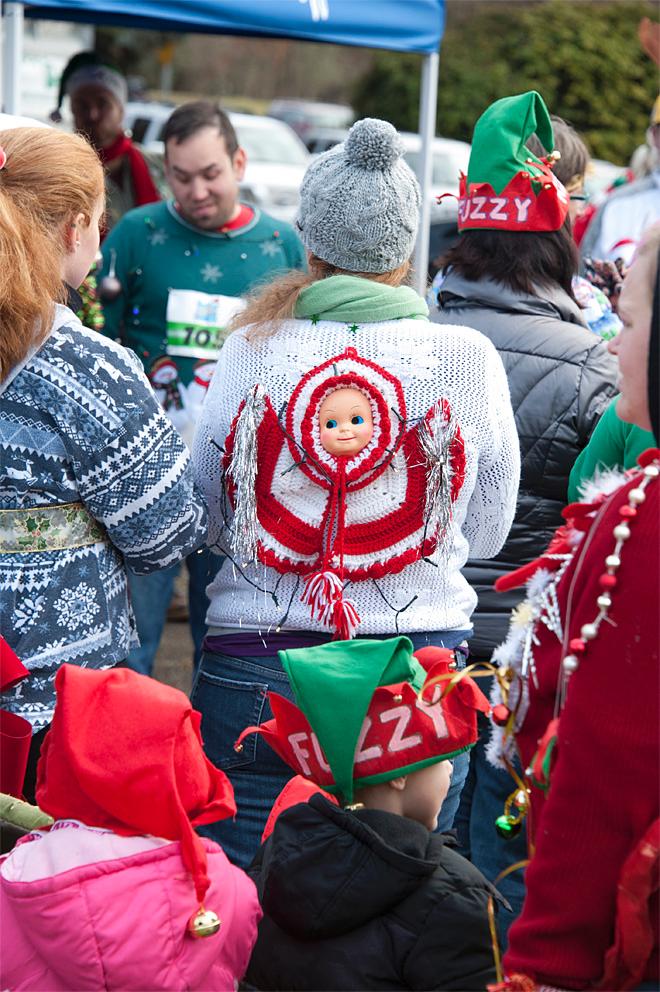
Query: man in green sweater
[174,273]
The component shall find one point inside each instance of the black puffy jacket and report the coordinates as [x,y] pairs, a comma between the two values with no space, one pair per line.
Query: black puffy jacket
[561,378]
[367,900]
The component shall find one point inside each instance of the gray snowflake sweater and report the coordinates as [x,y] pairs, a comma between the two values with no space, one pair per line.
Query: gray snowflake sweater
[79,423]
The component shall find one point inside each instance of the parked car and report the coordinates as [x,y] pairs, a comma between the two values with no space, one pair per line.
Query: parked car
[326,137]
[276,157]
[307,117]
[449,158]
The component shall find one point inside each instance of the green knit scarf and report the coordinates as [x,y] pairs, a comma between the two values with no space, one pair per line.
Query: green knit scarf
[357,300]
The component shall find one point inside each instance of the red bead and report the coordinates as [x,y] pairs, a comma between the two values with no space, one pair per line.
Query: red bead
[627,512]
[501,714]
[577,645]
[607,581]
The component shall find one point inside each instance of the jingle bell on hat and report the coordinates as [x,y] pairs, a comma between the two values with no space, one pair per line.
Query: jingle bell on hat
[204,923]
[125,753]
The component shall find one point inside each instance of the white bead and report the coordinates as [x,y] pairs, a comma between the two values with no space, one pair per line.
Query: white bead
[570,663]
[604,601]
[622,532]
[636,496]
[652,471]
[588,631]
[613,561]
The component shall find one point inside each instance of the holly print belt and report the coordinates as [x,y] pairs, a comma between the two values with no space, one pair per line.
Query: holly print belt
[48,528]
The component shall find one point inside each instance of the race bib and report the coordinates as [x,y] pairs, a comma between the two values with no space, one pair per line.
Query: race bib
[197,322]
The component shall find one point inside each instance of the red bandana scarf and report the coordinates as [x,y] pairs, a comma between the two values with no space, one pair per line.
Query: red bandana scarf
[143,185]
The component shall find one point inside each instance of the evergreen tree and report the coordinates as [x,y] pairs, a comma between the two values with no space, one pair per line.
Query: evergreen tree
[584,58]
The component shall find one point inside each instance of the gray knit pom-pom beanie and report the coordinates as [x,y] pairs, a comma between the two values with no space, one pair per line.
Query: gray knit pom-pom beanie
[359,202]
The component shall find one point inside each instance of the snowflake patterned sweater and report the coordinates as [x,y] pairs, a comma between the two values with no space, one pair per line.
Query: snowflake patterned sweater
[456,364]
[80,423]
[158,254]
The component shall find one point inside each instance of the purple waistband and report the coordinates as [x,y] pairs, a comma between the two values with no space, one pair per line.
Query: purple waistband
[252,644]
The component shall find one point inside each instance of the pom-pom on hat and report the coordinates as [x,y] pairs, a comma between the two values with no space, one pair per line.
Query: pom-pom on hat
[507,187]
[124,752]
[89,69]
[359,201]
[368,711]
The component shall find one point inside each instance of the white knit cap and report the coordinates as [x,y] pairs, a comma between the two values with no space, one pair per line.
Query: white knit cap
[98,75]
[359,202]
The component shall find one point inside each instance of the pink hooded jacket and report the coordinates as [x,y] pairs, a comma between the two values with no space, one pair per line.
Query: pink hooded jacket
[82,908]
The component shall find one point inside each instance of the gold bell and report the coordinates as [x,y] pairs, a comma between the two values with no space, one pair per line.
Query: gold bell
[204,923]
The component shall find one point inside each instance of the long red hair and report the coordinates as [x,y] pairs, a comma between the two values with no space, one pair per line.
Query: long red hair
[48,178]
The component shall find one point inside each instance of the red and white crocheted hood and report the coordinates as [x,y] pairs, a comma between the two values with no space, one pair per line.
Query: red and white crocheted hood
[388,409]
[299,509]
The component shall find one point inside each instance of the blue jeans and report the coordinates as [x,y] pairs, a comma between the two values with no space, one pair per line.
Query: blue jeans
[231,694]
[486,790]
[150,598]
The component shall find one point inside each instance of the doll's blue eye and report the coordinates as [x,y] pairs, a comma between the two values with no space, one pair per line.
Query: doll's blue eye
[330,424]
[357,419]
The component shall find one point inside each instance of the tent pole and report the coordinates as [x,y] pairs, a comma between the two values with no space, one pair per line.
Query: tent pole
[427,110]
[12,22]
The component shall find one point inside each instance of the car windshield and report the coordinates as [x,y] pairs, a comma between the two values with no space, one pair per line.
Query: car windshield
[315,115]
[332,117]
[446,166]
[271,144]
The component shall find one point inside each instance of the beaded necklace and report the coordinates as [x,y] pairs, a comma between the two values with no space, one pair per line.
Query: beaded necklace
[608,580]
[508,714]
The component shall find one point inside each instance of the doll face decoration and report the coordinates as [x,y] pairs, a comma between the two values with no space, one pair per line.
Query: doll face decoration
[345,422]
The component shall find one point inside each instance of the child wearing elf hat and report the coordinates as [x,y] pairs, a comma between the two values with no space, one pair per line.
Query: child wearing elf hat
[120,889]
[361,895]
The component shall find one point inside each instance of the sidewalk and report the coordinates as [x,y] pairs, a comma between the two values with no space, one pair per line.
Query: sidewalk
[174,659]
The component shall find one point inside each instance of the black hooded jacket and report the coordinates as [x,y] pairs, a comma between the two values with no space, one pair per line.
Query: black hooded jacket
[561,377]
[367,900]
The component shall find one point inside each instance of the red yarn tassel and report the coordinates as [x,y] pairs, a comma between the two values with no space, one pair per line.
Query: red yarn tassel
[321,591]
[345,619]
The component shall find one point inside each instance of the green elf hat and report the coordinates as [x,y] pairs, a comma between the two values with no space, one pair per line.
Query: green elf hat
[368,711]
[507,187]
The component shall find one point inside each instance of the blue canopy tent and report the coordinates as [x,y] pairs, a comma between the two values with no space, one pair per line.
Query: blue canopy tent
[398,25]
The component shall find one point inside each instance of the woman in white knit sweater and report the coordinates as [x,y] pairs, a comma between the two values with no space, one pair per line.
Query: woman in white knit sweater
[319,545]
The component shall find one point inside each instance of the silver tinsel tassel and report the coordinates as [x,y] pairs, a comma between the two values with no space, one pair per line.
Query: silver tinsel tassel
[436,438]
[243,471]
